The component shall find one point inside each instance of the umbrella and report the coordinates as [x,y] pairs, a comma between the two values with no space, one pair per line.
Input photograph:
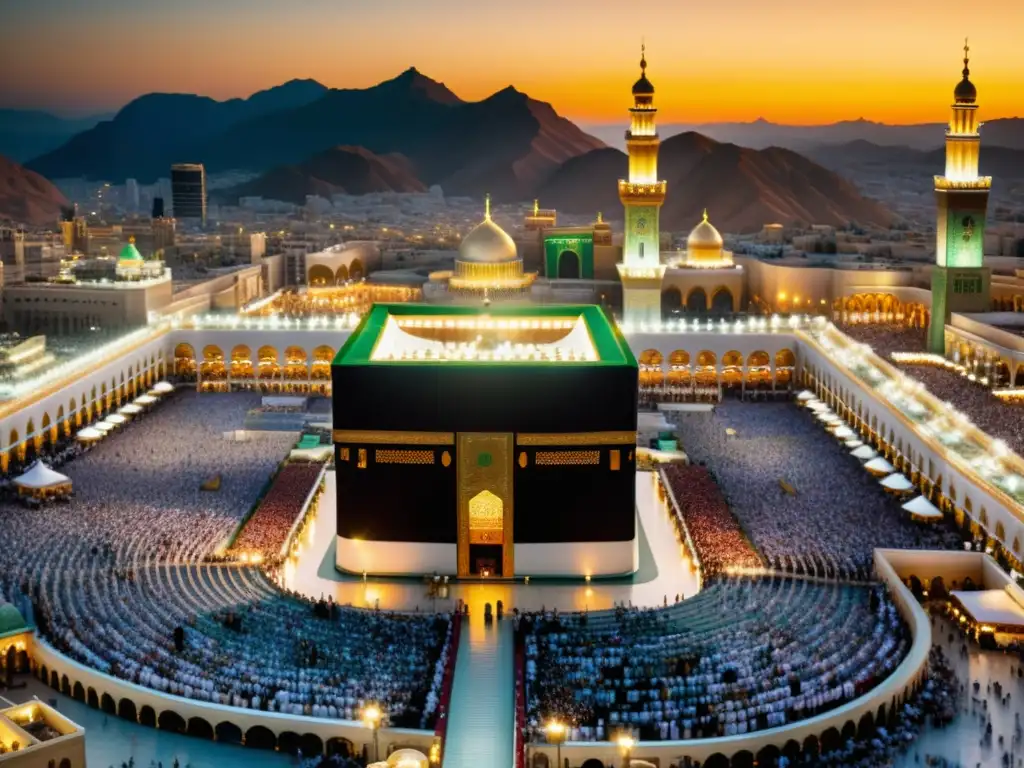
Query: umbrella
[864,452]
[897,482]
[922,509]
[854,443]
[117,419]
[130,410]
[163,387]
[145,400]
[817,405]
[824,415]
[879,466]
[833,420]
[844,433]
[103,426]
[88,434]
[805,395]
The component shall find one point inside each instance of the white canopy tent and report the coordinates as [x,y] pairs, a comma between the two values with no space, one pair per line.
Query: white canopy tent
[864,453]
[88,435]
[922,509]
[805,396]
[41,482]
[897,482]
[879,466]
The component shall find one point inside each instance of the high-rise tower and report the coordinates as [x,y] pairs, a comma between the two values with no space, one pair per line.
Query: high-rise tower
[642,195]
[960,281]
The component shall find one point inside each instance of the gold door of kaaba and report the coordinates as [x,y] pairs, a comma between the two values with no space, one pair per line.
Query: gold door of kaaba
[485,499]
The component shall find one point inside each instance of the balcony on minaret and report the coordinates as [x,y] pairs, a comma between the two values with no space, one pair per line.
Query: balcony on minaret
[642,192]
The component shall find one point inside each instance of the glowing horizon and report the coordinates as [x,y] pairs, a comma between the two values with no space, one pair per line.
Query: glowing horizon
[795,62]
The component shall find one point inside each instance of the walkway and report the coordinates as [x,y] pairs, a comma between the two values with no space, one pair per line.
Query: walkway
[480,724]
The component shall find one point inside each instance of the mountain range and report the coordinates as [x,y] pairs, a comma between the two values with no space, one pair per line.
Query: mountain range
[25,134]
[412,132]
[741,188]
[26,197]
[336,171]
[760,134]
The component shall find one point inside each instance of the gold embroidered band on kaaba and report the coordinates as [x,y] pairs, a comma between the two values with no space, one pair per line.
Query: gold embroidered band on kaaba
[575,438]
[388,437]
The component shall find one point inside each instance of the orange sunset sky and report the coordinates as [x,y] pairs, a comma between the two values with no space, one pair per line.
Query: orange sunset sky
[793,61]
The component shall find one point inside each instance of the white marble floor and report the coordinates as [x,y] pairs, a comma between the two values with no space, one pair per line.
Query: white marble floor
[311,571]
[961,742]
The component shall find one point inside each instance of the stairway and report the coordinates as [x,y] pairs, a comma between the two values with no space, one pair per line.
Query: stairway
[480,724]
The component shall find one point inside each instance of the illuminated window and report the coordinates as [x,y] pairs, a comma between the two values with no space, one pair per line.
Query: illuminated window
[615,460]
[362,459]
[343,454]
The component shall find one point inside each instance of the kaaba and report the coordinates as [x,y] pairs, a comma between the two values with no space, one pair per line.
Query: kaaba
[486,442]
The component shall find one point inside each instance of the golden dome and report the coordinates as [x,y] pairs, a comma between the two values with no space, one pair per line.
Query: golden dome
[487,243]
[704,236]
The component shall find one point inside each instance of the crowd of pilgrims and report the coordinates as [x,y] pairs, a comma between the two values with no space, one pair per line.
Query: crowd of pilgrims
[828,526]
[996,417]
[121,578]
[740,656]
[266,531]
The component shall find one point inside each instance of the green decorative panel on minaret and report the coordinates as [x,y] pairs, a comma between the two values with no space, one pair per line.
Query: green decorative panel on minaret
[965,238]
[642,239]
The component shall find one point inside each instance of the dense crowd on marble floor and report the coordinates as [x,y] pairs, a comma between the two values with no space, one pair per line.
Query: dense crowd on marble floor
[120,579]
[836,515]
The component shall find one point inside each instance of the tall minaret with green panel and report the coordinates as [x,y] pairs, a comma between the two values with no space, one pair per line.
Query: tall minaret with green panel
[960,281]
[642,195]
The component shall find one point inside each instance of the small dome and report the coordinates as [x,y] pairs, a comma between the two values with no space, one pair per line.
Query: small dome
[11,619]
[704,236]
[130,252]
[965,92]
[487,243]
[643,87]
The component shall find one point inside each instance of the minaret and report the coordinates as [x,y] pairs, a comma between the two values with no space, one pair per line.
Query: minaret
[960,281]
[642,195]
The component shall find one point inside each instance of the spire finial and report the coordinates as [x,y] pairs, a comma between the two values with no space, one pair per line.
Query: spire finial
[967,59]
[487,205]
[131,240]
[599,219]
[705,214]
[643,56]
[536,207]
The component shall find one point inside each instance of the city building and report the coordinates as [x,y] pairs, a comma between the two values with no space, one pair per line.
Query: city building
[188,192]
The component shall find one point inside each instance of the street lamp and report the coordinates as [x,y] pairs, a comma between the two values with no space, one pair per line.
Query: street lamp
[555,731]
[626,744]
[371,719]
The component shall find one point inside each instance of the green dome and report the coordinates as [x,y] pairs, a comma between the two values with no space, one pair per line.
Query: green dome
[10,619]
[130,253]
